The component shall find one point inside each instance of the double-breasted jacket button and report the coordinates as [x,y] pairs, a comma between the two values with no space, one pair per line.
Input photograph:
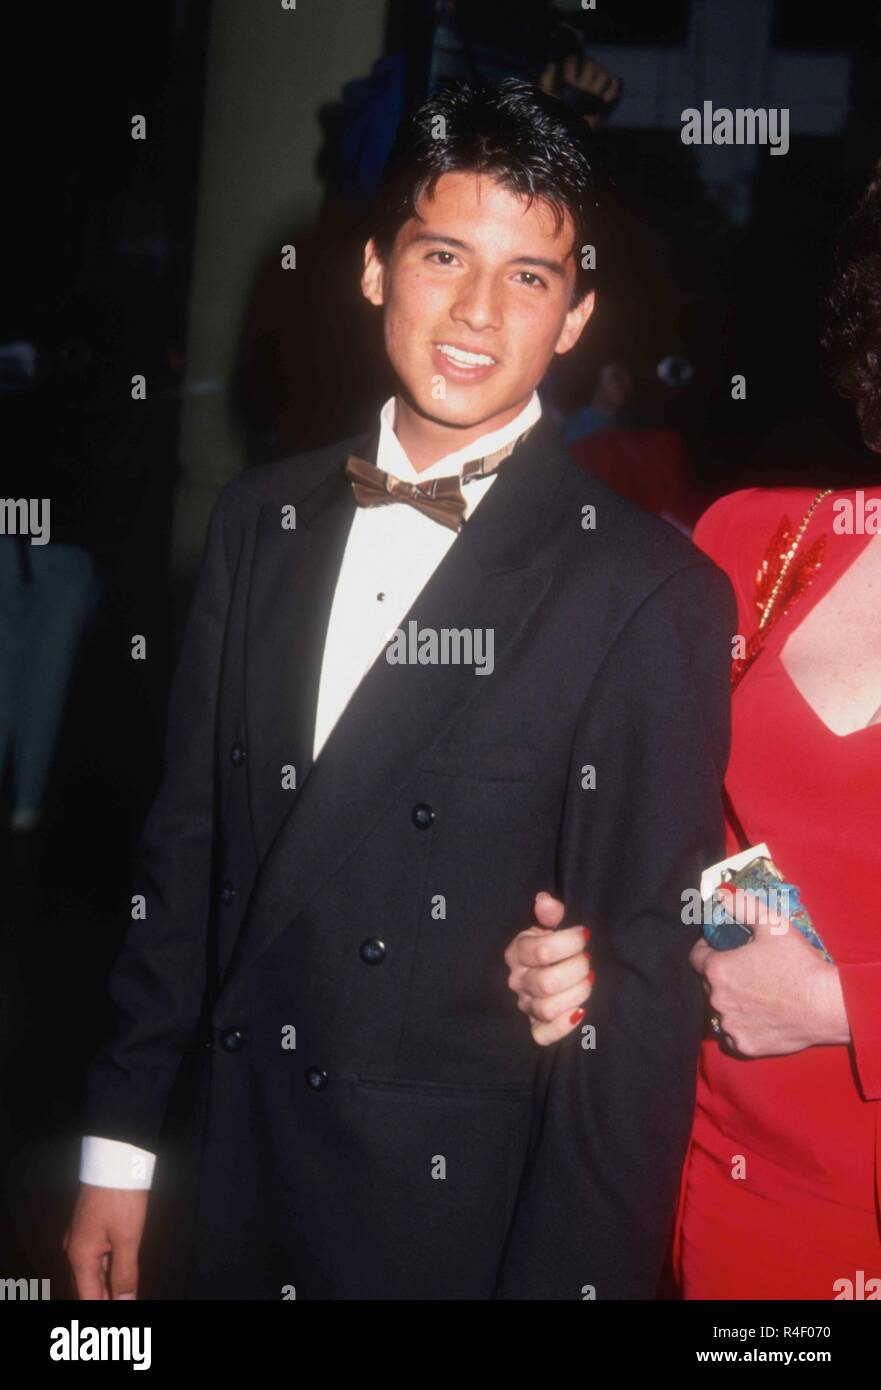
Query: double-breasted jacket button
[422,815]
[237,754]
[316,1078]
[231,1040]
[372,951]
[227,893]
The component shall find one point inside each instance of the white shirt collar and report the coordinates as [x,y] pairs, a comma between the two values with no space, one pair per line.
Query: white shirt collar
[391,458]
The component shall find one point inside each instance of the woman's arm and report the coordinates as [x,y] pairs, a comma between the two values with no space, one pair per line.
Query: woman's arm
[771,998]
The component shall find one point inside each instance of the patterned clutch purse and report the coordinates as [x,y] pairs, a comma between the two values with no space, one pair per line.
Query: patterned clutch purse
[756,873]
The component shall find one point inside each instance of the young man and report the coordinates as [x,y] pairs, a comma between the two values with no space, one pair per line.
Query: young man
[449,684]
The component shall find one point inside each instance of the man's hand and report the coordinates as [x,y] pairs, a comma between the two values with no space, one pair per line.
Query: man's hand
[550,972]
[103,1240]
[776,994]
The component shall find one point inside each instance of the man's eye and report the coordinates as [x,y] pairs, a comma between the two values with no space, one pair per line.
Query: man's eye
[533,280]
[449,254]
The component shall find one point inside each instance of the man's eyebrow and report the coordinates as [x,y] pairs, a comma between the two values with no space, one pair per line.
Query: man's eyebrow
[447,240]
[553,267]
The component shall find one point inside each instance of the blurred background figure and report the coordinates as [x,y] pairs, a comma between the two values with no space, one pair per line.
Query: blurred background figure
[606,407]
[72,448]
[650,466]
[632,434]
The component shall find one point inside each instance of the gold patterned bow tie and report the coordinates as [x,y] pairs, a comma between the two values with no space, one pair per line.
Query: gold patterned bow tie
[441,499]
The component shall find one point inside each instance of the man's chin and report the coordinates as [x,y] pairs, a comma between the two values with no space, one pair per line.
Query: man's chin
[461,410]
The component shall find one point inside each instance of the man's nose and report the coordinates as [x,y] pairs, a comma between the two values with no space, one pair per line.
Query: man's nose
[478,304]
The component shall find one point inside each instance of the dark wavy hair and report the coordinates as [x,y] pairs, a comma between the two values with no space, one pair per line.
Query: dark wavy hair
[512,131]
[851,337]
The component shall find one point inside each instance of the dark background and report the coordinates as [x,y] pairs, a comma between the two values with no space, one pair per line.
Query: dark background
[101,260]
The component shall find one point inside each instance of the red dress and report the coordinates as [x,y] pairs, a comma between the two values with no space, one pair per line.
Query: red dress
[807,1125]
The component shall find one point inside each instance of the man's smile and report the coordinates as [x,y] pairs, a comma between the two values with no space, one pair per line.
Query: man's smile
[463,364]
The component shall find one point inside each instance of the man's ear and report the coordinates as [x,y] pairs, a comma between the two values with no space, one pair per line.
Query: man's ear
[574,322]
[373,275]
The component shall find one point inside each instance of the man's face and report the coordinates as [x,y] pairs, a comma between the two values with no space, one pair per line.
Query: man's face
[476,294]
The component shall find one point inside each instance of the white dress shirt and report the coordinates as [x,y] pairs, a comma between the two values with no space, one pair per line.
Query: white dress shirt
[391,553]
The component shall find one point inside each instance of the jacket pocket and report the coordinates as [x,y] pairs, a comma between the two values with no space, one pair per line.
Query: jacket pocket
[443,1090]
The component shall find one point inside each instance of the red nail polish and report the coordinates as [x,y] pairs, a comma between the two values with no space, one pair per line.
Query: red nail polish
[577,1016]
[586,931]
[591,976]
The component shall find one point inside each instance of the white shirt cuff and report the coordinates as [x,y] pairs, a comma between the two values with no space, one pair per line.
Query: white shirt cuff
[111,1163]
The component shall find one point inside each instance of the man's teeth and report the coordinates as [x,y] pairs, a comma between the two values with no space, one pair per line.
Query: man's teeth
[467,359]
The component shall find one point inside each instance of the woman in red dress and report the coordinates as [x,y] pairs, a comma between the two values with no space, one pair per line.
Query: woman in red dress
[782,1181]
[781,1188]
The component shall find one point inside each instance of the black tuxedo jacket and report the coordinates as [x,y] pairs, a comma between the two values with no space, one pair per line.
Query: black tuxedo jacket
[323,963]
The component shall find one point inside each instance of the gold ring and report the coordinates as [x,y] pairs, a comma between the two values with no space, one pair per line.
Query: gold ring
[716,1024]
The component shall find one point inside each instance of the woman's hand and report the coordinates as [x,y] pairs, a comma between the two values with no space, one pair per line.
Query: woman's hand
[550,972]
[776,994]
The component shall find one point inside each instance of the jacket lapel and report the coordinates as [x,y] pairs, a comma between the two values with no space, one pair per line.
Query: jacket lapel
[292,588]
[490,579]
